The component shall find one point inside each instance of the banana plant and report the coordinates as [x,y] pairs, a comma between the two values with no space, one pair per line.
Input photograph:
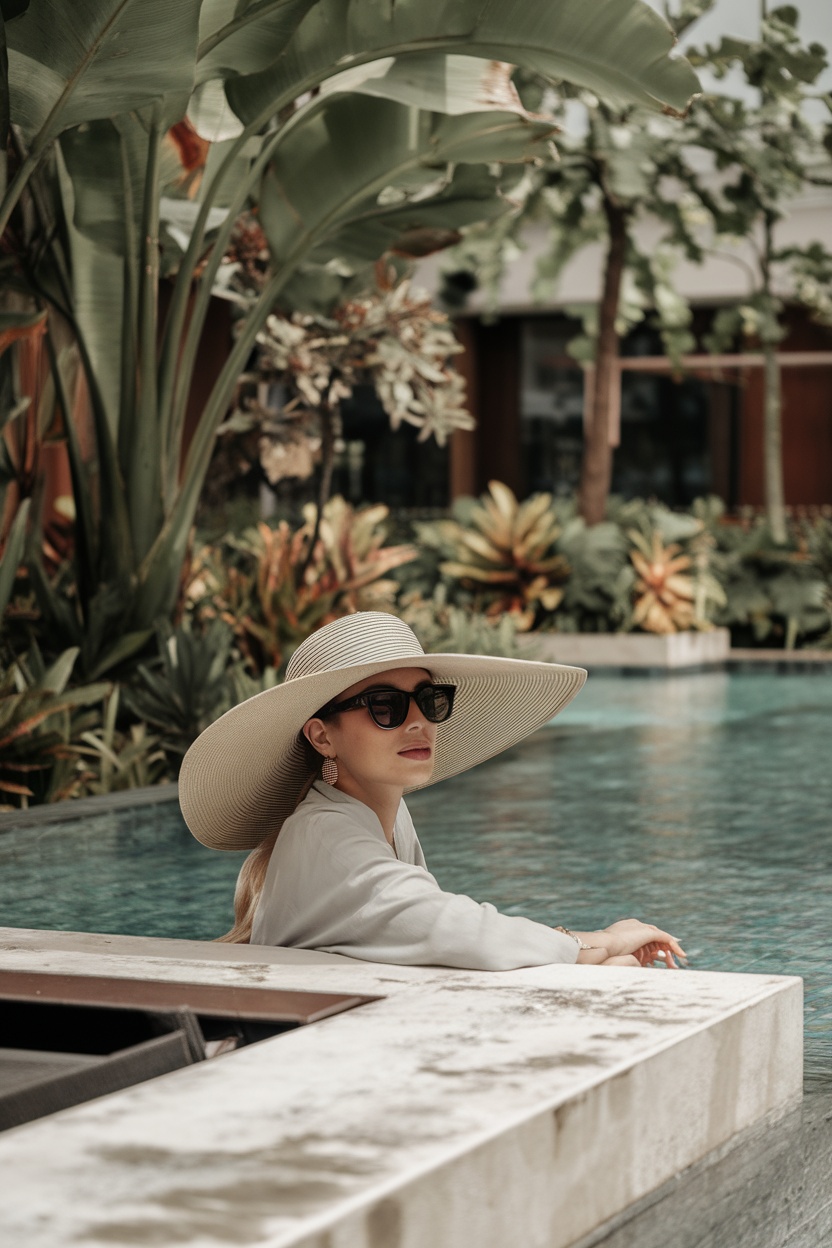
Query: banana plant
[357,129]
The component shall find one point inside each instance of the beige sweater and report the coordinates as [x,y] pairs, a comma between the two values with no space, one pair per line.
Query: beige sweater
[334,883]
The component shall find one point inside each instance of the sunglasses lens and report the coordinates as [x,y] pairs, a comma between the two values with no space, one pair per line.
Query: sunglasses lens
[435,703]
[388,708]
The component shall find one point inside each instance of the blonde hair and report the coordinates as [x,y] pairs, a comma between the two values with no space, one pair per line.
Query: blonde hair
[252,875]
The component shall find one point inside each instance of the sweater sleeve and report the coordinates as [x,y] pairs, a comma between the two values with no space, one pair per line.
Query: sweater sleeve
[361,901]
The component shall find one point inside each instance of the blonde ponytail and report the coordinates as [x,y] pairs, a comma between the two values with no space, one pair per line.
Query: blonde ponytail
[250,883]
[252,875]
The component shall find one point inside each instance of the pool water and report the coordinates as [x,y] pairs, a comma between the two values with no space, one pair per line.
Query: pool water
[700,802]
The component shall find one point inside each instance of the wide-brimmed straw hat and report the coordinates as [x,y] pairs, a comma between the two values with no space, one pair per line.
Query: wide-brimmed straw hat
[243,776]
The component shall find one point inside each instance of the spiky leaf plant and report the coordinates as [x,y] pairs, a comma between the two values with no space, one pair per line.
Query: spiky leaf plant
[505,554]
[41,723]
[274,592]
[665,592]
[186,687]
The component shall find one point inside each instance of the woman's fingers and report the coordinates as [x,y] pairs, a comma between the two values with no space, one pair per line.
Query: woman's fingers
[632,935]
[624,959]
[656,952]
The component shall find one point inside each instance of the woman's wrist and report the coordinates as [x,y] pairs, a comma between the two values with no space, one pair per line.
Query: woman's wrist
[578,937]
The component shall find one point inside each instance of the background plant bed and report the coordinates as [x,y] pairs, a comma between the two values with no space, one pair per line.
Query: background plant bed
[670,650]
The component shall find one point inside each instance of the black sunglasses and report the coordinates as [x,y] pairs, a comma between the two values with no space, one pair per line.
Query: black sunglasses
[389,707]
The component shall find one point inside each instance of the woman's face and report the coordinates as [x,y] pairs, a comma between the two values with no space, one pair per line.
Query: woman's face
[370,756]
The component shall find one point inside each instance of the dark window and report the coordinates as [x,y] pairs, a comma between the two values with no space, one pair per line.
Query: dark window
[665,448]
[377,463]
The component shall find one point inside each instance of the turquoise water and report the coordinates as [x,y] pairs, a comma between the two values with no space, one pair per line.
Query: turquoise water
[702,803]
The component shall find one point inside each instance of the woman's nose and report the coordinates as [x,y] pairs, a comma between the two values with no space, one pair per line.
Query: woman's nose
[415,718]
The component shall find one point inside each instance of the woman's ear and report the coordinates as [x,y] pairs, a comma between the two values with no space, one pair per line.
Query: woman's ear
[316,734]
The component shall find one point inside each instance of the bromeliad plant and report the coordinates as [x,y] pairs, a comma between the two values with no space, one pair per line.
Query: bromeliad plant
[186,687]
[671,582]
[274,586]
[665,590]
[503,554]
[644,567]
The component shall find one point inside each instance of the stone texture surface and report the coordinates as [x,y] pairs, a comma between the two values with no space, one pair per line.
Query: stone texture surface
[768,1188]
[465,1108]
[675,650]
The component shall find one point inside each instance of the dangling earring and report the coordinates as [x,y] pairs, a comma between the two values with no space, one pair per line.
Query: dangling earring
[329,771]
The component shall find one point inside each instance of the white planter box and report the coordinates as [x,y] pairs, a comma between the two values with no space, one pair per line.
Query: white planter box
[673,650]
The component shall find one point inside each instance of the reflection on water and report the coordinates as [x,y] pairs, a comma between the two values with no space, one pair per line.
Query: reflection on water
[700,802]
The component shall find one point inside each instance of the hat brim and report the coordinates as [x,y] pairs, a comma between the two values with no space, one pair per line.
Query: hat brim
[241,778]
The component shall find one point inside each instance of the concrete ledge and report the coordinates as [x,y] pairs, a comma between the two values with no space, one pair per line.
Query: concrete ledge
[768,1187]
[85,807]
[525,1107]
[779,660]
[593,650]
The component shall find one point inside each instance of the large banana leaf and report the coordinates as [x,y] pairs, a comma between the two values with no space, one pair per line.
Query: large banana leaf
[371,167]
[351,171]
[73,63]
[473,194]
[617,48]
[443,84]
[98,269]
[105,167]
[240,36]
[4,103]
[106,161]
[70,63]
[350,177]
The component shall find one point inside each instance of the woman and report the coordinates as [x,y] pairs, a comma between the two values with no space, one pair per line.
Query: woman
[324,759]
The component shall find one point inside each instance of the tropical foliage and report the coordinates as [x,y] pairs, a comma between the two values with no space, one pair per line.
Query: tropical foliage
[502,553]
[617,165]
[775,594]
[246,602]
[42,723]
[766,151]
[187,686]
[140,131]
[390,337]
[665,590]
[273,586]
[643,568]
[727,172]
[444,627]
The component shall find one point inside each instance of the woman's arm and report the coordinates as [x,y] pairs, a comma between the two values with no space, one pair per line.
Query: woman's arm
[339,888]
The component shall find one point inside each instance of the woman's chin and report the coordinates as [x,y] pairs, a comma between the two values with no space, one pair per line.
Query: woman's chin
[417,771]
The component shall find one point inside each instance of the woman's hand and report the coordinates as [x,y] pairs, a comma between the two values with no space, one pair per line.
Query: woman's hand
[629,942]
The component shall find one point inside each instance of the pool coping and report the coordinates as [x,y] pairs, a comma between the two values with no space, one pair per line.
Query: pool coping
[464,1107]
[85,807]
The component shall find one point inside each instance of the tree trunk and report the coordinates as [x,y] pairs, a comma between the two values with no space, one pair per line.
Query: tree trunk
[773,445]
[596,467]
[329,420]
[775,493]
